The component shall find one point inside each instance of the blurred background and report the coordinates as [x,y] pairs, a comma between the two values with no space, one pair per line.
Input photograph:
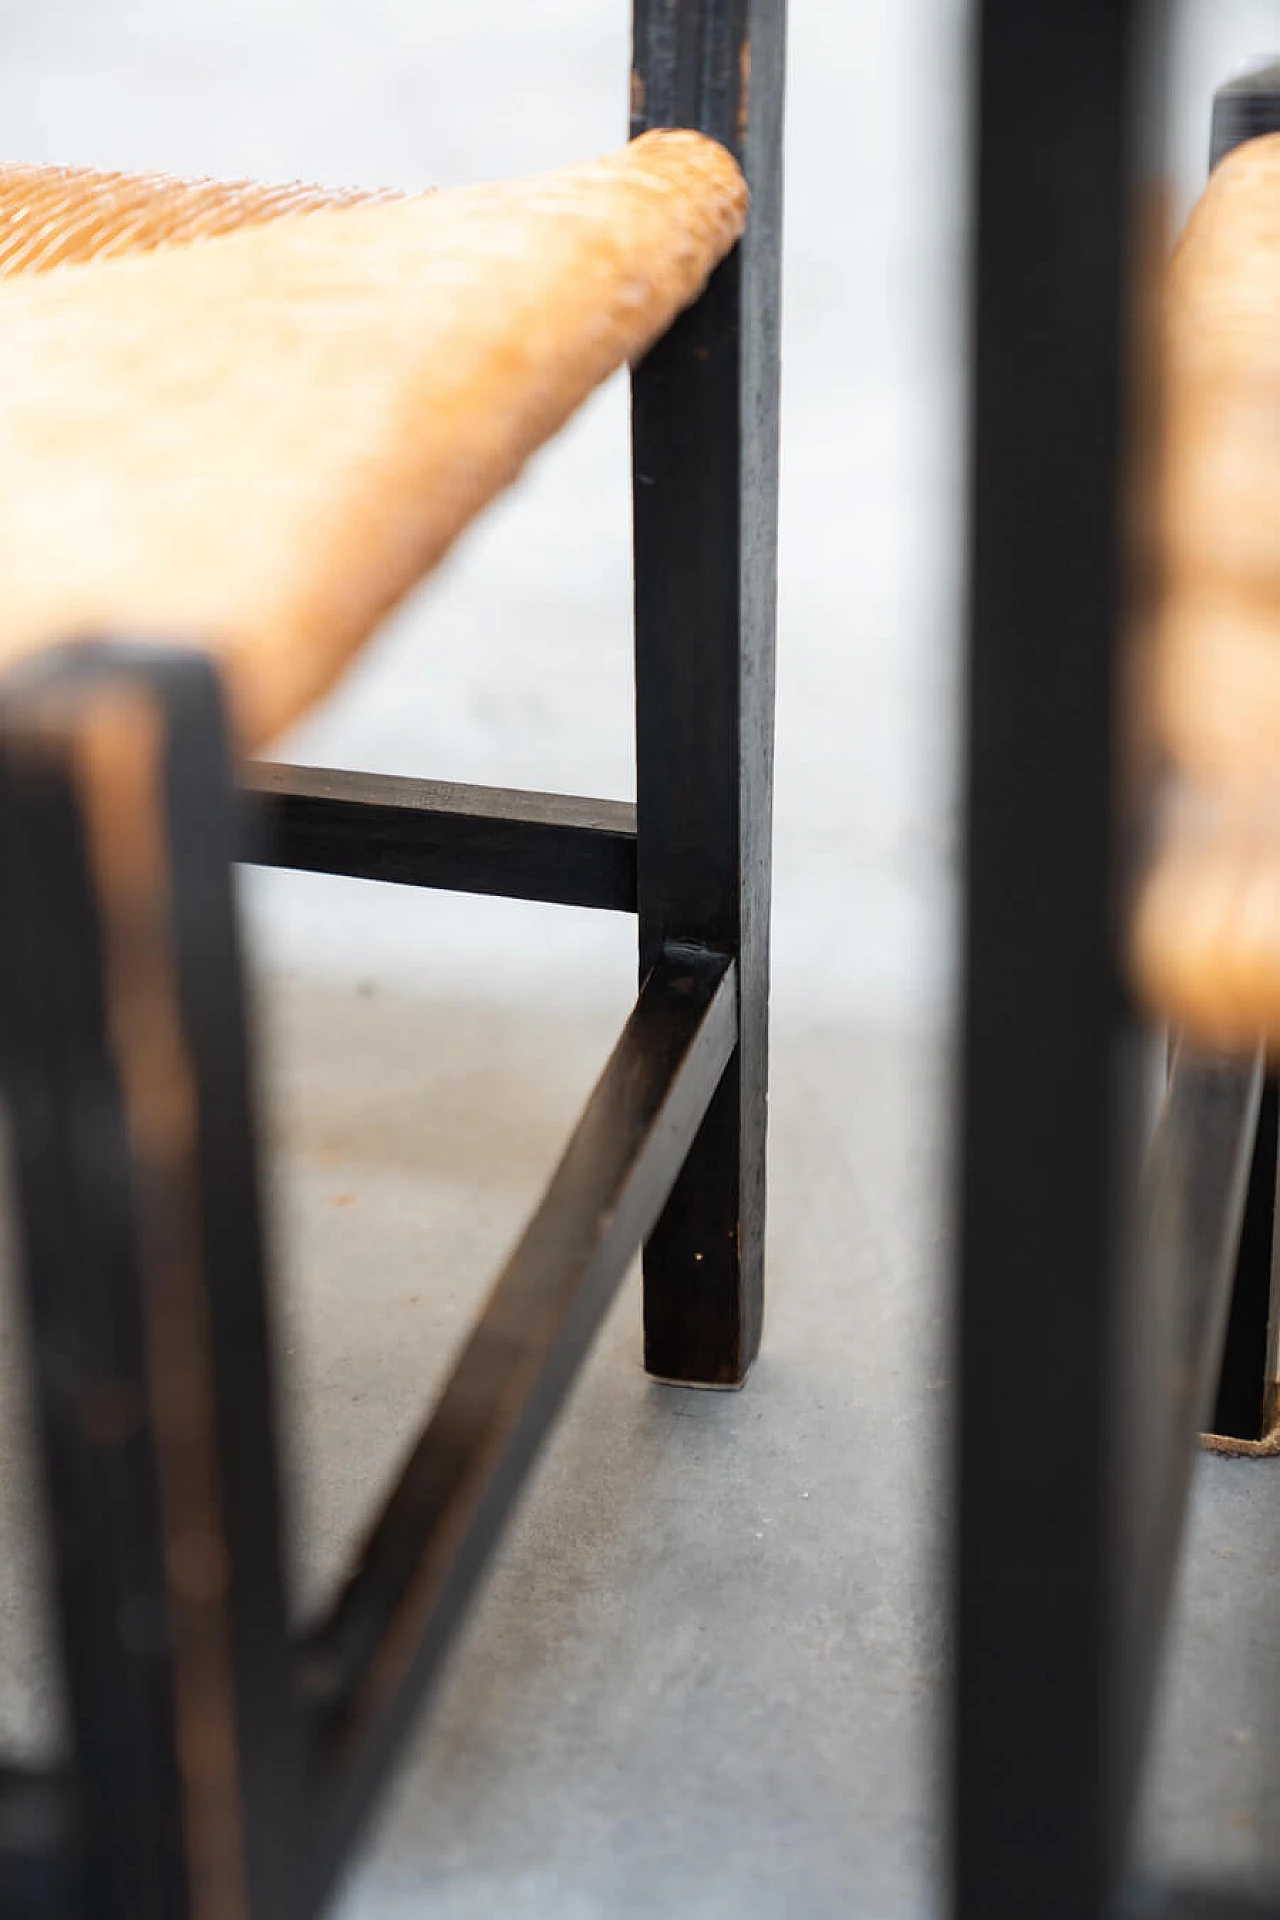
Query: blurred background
[706,1675]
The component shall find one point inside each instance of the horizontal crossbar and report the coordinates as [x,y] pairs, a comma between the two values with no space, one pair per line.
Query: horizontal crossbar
[1190,1209]
[364,1669]
[432,833]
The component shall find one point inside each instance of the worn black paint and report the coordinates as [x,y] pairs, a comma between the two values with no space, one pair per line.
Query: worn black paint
[82,1283]
[431,833]
[85,1186]
[705,447]
[202,822]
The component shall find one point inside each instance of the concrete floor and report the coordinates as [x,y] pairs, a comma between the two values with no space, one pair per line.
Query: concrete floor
[705,1676]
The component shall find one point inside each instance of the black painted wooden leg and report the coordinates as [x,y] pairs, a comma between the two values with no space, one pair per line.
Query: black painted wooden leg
[121,1022]
[1247,107]
[1033,1809]
[705,430]
[1244,1407]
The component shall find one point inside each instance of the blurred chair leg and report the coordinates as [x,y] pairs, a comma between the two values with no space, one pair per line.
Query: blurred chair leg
[1034,1813]
[123,1048]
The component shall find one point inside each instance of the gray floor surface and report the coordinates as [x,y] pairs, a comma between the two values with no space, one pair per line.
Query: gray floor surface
[705,1678]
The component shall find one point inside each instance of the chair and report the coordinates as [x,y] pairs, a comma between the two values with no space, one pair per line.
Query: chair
[1115,1277]
[238,424]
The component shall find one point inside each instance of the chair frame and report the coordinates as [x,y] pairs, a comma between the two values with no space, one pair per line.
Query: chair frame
[1116,1295]
[222,1766]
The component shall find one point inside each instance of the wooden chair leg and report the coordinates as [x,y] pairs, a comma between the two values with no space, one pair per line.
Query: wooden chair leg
[1244,1409]
[1032,1812]
[122,1035]
[705,439]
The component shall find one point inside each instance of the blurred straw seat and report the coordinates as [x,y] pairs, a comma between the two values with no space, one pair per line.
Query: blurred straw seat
[1205,937]
[249,419]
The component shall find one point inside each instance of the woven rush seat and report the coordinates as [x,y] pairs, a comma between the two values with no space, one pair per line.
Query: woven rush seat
[249,419]
[1205,937]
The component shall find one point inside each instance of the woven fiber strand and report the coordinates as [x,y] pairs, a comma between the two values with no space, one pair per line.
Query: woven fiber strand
[52,216]
[258,441]
[1205,936]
